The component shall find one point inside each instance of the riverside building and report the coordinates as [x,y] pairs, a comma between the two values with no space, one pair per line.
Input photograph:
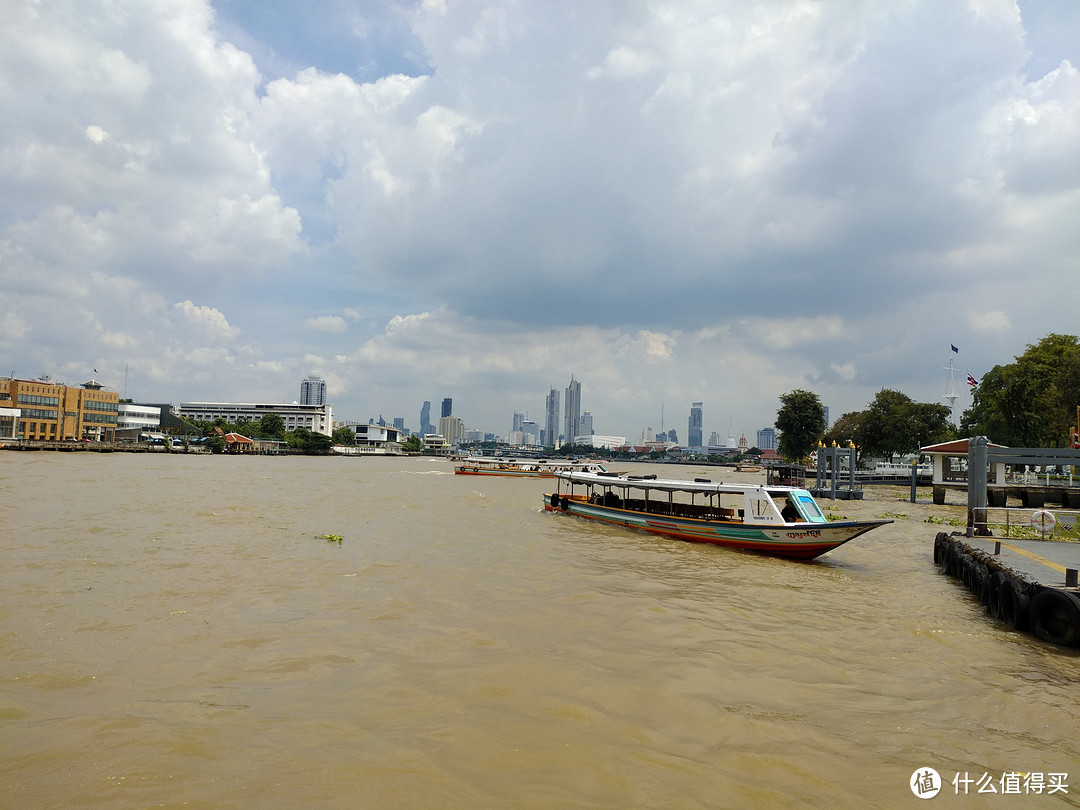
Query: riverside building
[316,418]
[48,411]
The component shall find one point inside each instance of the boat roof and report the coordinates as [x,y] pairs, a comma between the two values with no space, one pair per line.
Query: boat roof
[702,485]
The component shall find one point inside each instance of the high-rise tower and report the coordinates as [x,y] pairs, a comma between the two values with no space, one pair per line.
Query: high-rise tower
[312,391]
[694,430]
[572,413]
[425,419]
[551,418]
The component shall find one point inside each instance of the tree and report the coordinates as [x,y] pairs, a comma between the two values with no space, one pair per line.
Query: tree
[271,426]
[307,441]
[413,444]
[801,422]
[888,425]
[343,435]
[1031,402]
[848,429]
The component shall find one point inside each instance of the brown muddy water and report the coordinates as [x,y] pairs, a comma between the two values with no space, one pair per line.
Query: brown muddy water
[175,633]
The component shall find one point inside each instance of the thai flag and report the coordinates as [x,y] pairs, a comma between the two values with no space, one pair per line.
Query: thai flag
[972,381]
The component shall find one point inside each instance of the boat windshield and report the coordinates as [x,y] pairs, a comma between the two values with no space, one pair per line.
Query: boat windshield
[808,506]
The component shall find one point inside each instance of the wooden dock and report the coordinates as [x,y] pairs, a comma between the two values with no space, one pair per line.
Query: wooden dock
[1030,585]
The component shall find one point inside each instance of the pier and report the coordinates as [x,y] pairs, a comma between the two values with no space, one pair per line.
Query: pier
[93,447]
[1028,585]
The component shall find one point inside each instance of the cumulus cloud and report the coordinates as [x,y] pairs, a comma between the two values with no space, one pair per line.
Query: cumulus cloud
[327,323]
[656,198]
[206,320]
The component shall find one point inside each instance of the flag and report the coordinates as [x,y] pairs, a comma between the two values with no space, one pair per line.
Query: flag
[955,350]
[972,381]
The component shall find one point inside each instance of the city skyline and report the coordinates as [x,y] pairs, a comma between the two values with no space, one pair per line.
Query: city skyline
[722,204]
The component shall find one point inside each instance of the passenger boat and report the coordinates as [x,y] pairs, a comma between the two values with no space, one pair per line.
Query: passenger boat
[524,468]
[780,521]
[748,468]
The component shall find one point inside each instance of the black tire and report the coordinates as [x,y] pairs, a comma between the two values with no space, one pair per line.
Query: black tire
[1055,617]
[940,544]
[980,579]
[564,503]
[993,586]
[1013,602]
[947,552]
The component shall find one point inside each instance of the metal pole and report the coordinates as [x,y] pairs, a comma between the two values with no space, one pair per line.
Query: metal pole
[976,484]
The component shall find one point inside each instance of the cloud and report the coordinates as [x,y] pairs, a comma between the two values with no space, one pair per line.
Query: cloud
[207,321]
[326,323]
[710,202]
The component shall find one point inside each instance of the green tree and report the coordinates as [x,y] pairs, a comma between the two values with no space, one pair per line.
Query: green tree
[271,426]
[309,442]
[344,435]
[413,444]
[848,429]
[1032,401]
[801,422]
[888,425]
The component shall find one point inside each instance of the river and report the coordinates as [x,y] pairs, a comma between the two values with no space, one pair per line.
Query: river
[175,631]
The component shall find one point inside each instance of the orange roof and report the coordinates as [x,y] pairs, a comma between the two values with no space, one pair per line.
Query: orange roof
[238,439]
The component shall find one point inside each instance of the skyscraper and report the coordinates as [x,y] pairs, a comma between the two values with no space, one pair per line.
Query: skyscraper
[312,391]
[694,430]
[425,419]
[447,407]
[766,439]
[585,425]
[551,418]
[572,412]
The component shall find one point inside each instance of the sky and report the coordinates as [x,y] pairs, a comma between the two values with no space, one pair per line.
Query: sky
[672,202]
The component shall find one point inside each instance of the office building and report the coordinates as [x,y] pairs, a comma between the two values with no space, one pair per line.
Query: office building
[312,391]
[694,430]
[551,418]
[451,429]
[447,407]
[49,411]
[572,411]
[766,439]
[425,419]
[316,418]
[585,427]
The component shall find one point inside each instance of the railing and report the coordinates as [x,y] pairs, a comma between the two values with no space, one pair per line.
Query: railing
[1027,523]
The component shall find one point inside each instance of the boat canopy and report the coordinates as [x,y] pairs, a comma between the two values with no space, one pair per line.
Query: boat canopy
[700,485]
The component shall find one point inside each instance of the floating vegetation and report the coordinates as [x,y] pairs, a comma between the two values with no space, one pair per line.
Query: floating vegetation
[946,521]
[832,513]
[331,538]
[894,515]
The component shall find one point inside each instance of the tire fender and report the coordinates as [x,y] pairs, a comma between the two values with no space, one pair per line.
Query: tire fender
[1055,617]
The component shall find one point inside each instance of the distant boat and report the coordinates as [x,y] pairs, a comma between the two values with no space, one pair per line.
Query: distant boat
[779,521]
[523,468]
[748,468]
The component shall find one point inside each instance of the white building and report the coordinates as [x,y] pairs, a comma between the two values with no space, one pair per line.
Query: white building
[452,429]
[597,440]
[138,417]
[371,440]
[9,422]
[316,418]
